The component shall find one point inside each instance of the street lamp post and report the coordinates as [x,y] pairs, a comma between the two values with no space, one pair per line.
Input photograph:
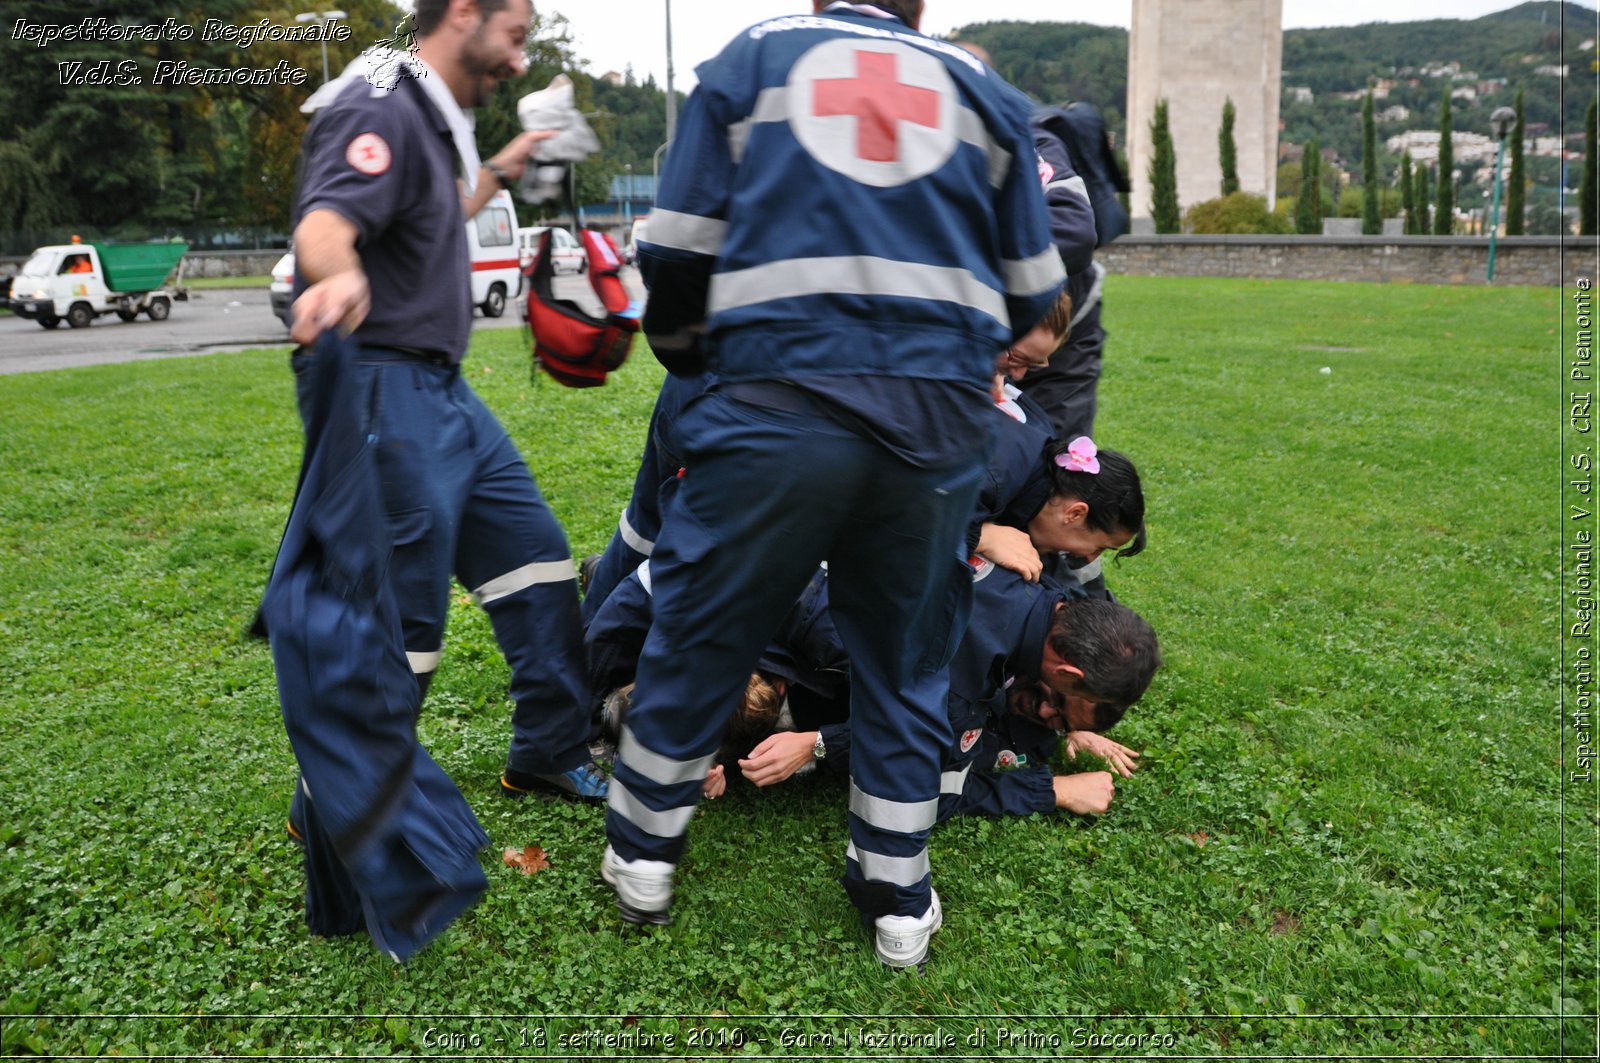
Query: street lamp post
[321,18]
[1500,123]
[672,99]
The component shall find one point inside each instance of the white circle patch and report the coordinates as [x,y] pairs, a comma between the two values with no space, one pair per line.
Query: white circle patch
[369,154]
[881,112]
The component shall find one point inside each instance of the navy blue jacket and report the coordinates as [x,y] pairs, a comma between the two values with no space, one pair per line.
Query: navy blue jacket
[770,226]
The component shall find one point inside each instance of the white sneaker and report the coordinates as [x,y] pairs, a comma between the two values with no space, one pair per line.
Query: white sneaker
[644,887]
[902,940]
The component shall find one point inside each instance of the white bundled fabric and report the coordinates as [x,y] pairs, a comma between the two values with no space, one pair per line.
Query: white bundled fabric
[554,107]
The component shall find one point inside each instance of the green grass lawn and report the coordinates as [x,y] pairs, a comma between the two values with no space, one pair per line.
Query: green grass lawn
[262,281]
[1346,838]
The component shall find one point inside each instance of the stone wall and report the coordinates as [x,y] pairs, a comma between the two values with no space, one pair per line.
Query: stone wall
[1519,260]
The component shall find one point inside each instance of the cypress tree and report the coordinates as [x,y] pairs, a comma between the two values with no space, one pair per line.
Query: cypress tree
[1516,184]
[1421,195]
[1407,203]
[1163,174]
[1587,190]
[1308,206]
[1444,215]
[1371,218]
[1228,151]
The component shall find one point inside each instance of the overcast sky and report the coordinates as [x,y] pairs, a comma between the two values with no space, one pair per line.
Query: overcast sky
[611,34]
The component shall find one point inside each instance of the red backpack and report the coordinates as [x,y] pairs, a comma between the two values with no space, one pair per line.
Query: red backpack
[575,347]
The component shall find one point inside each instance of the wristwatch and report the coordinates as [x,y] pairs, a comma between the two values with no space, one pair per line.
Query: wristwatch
[818,750]
[498,174]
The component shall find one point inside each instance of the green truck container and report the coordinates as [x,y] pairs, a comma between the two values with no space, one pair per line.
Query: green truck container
[138,267]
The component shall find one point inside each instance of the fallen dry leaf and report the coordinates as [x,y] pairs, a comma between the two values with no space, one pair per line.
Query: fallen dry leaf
[1284,922]
[529,861]
[1199,838]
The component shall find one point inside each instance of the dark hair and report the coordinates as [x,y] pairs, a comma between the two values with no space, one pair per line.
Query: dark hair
[1110,643]
[1106,715]
[908,10]
[1113,495]
[427,14]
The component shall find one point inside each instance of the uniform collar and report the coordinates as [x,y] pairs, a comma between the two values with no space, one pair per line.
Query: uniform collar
[460,123]
[860,9]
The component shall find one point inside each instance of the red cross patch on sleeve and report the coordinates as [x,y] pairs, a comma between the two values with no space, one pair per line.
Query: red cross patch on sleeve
[368,153]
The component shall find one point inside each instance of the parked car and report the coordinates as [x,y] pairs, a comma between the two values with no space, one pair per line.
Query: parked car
[566,254]
[283,287]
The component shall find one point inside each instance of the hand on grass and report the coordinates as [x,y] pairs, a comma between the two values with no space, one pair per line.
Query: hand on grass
[1123,761]
[716,783]
[1088,793]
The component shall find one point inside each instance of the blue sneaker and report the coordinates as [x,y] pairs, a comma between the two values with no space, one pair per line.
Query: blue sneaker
[585,782]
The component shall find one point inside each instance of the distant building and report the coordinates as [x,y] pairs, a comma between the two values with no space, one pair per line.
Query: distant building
[1396,113]
[1551,71]
[1465,92]
[1440,70]
[1587,45]
[1423,144]
[1299,93]
[1196,56]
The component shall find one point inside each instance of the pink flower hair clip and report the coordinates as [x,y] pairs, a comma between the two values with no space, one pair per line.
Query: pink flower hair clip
[1080,456]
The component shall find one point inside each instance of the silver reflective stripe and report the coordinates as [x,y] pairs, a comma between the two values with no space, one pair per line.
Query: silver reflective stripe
[856,275]
[668,824]
[644,578]
[1030,276]
[1073,184]
[686,232]
[1088,572]
[1093,297]
[636,542]
[970,128]
[771,106]
[425,662]
[663,771]
[905,817]
[526,576]
[953,782]
[901,870]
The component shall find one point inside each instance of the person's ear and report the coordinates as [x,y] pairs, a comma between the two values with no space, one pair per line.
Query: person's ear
[1074,512]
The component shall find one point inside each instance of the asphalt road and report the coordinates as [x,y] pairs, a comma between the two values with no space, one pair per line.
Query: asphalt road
[212,321]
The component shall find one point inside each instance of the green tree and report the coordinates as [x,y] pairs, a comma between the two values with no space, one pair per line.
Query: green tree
[1407,199]
[1420,195]
[1163,173]
[1371,219]
[1587,190]
[1228,151]
[1444,214]
[1308,205]
[1517,183]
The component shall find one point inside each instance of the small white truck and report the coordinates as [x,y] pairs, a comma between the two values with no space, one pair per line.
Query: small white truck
[78,282]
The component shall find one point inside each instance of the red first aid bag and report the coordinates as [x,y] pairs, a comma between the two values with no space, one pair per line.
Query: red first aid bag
[572,345]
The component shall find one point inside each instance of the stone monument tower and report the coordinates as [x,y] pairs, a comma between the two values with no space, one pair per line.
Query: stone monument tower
[1196,54]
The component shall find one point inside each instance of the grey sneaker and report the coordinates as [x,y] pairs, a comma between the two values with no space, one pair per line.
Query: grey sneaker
[902,940]
[644,888]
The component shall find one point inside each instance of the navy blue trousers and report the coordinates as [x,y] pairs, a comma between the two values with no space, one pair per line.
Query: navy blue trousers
[459,500]
[391,845]
[634,540]
[768,496]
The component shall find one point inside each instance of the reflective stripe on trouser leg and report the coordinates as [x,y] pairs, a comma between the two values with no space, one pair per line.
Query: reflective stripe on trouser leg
[900,612]
[763,499]
[615,563]
[513,555]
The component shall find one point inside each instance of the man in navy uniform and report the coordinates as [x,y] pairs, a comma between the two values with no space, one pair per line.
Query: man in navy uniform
[849,232]
[381,254]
